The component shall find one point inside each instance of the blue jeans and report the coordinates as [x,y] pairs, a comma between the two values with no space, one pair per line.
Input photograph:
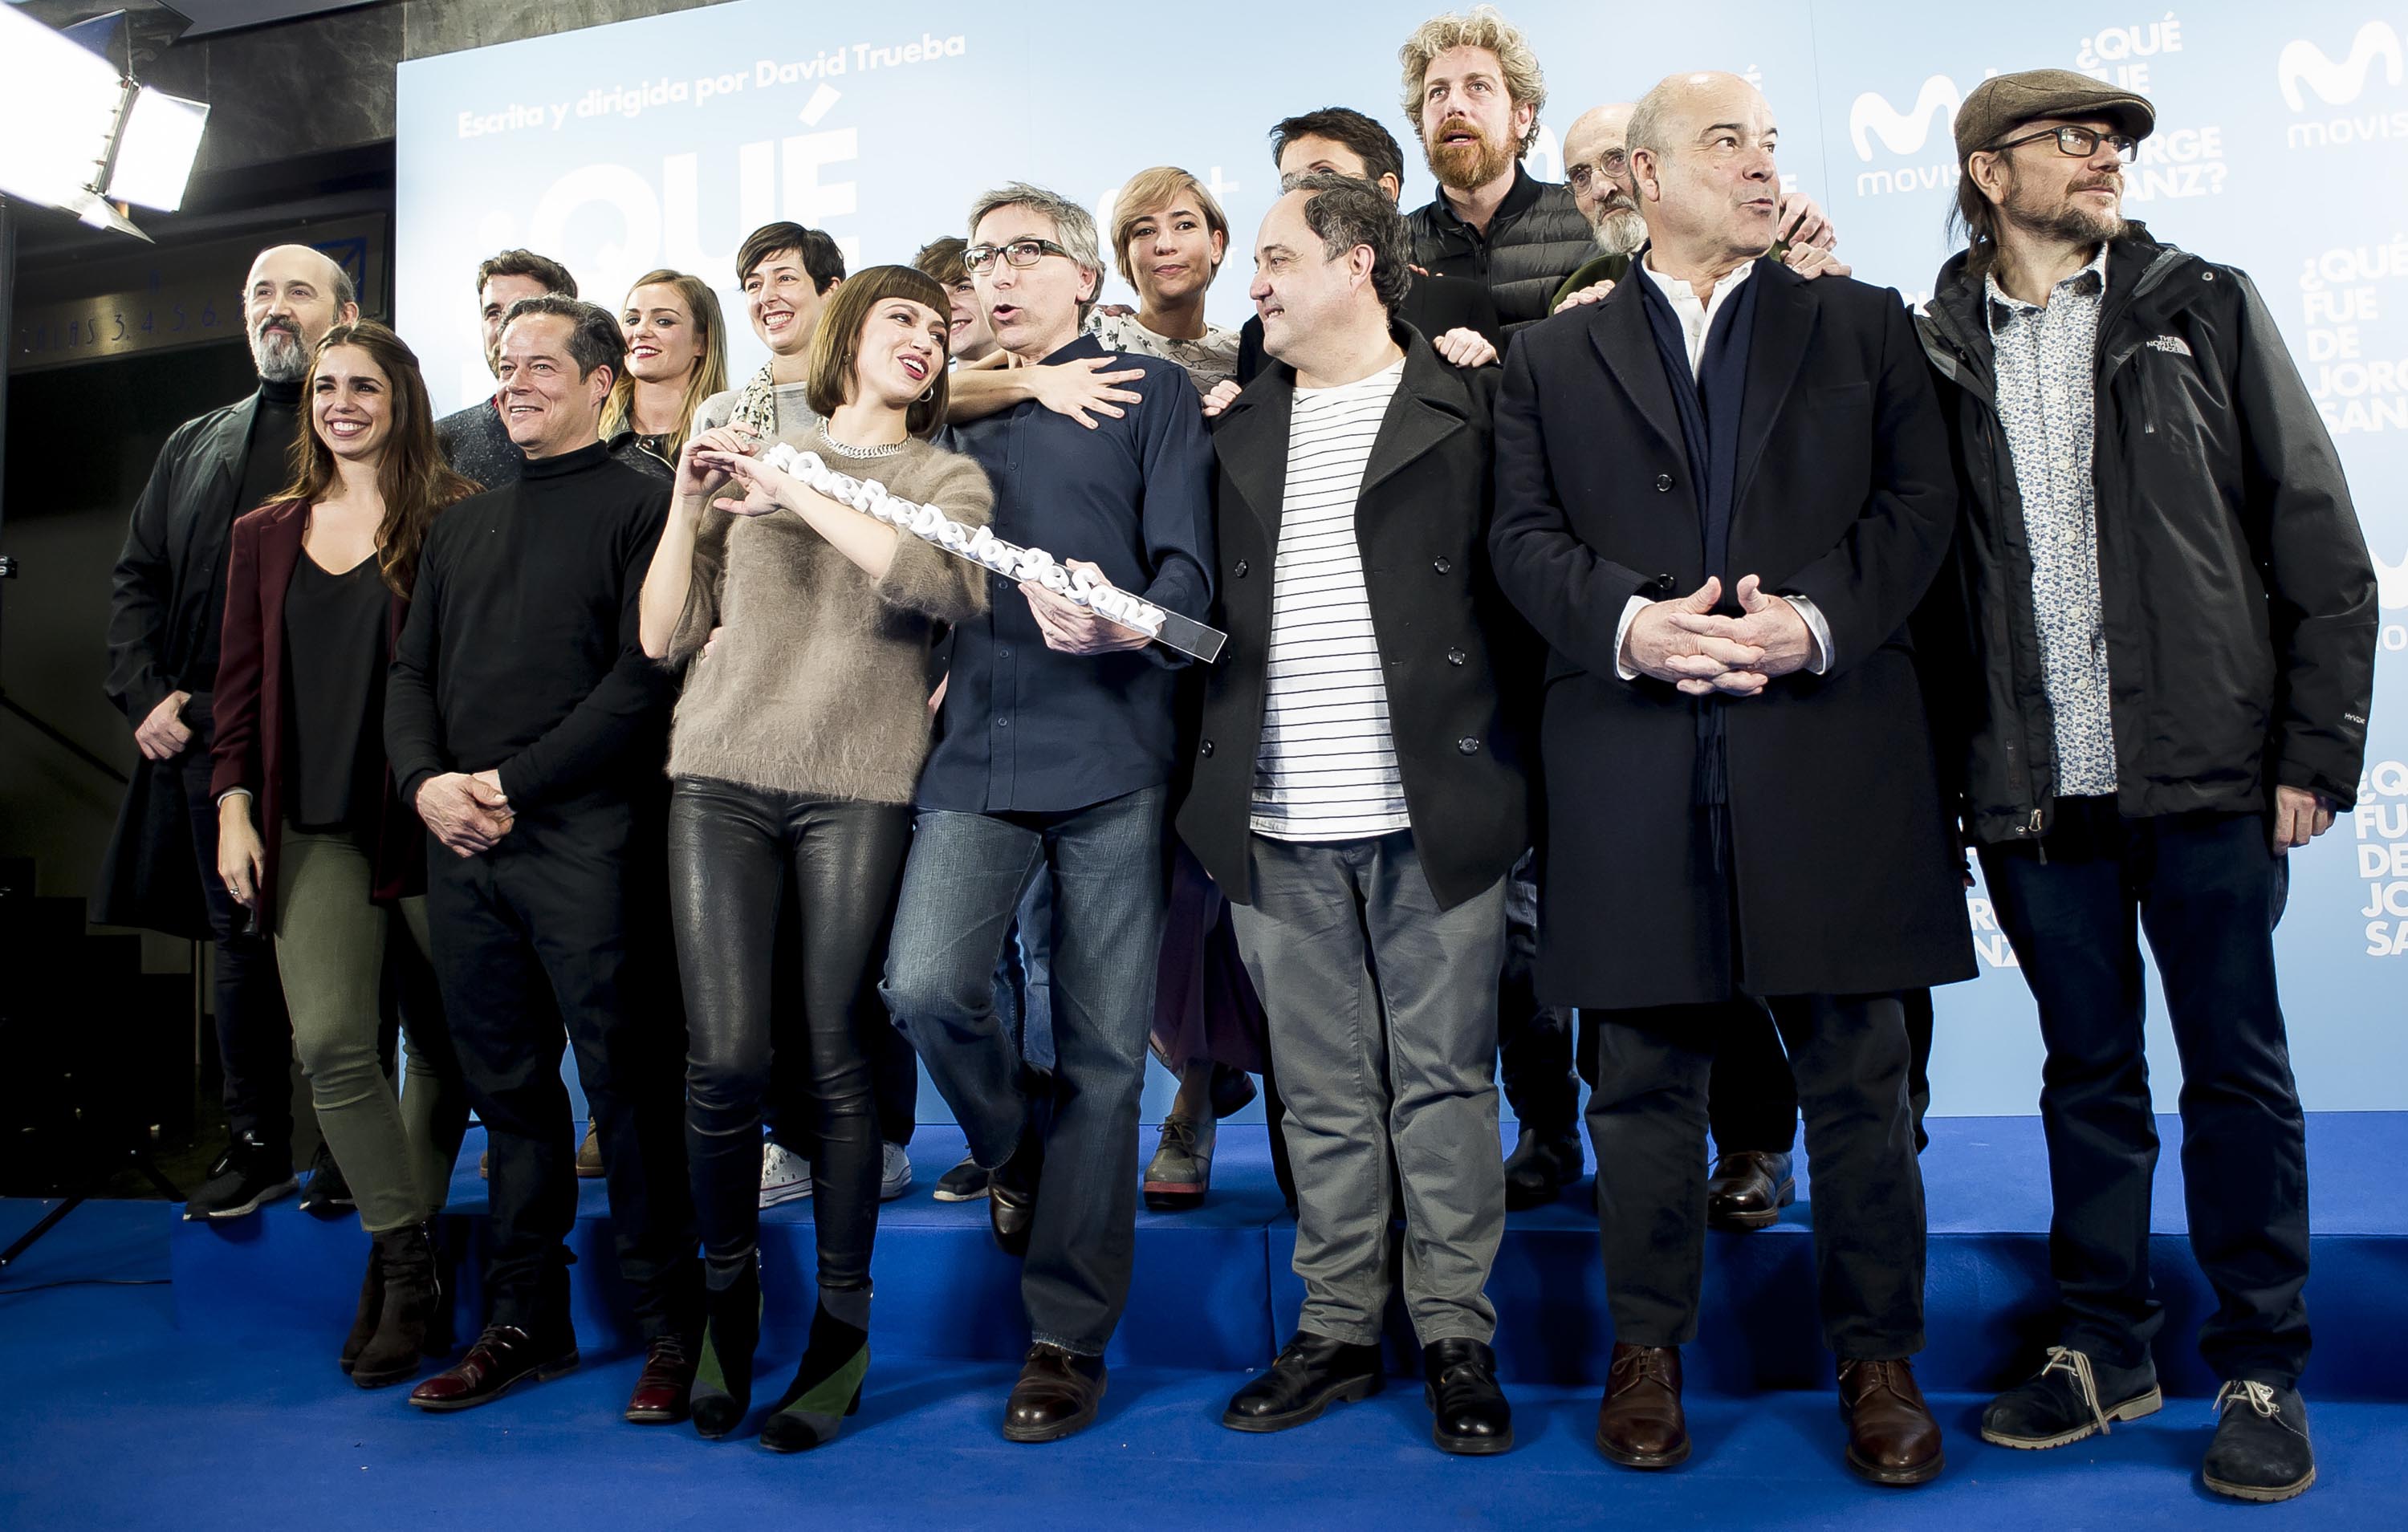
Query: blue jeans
[961,886]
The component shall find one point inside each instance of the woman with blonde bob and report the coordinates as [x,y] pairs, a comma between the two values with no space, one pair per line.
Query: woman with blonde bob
[318,581]
[793,757]
[1168,240]
[677,357]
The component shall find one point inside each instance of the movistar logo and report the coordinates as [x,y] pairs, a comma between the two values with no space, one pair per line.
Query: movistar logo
[1873,117]
[2335,84]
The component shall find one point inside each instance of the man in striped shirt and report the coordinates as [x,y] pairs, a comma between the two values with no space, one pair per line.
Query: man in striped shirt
[1359,796]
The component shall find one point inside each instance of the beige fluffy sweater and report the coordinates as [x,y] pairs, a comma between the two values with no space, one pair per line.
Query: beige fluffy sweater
[819,681]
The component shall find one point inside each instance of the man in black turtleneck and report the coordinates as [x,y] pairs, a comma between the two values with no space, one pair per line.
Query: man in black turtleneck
[166,603]
[528,729]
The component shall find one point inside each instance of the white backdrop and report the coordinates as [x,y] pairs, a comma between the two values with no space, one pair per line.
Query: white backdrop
[2282,147]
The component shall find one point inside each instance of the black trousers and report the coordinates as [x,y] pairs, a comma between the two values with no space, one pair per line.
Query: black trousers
[894,1067]
[738,857]
[1753,1102]
[561,927]
[1534,1042]
[1647,1118]
[2201,888]
[254,1035]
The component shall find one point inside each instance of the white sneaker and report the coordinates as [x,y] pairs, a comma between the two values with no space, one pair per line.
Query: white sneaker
[894,1173]
[785,1174]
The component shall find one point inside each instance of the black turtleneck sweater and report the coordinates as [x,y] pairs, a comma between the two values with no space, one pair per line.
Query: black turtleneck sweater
[266,467]
[521,651]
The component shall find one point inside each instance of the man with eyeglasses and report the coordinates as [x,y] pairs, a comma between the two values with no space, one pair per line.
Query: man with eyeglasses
[1055,748]
[2159,635]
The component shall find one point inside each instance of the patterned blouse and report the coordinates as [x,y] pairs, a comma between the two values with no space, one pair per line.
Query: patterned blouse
[1209,360]
[2046,359]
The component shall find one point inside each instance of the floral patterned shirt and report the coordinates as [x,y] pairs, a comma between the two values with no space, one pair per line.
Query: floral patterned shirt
[1209,360]
[2045,380]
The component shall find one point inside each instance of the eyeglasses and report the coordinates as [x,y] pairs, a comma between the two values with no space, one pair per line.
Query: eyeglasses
[1020,254]
[2081,143]
[1610,165]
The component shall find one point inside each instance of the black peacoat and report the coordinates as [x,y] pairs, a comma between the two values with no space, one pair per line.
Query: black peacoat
[1457,660]
[1839,878]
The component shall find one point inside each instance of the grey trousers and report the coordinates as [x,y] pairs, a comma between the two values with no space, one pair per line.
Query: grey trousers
[1383,1014]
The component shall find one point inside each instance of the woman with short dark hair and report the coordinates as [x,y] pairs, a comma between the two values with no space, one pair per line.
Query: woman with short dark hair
[793,757]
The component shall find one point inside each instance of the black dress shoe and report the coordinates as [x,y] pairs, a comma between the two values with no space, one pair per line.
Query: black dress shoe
[1011,1196]
[2260,1451]
[1540,1166]
[1055,1397]
[1469,1414]
[1312,1374]
[503,1356]
[1748,1189]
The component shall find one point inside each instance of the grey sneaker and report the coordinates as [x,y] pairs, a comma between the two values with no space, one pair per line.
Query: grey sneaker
[2260,1451]
[894,1173]
[1181,1171]
[2075,1395]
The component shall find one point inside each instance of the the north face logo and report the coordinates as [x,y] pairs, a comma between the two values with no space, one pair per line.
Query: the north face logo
[1872,115]
[2338,84]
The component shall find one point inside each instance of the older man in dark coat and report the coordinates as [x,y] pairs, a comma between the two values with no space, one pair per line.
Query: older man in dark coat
[1720,493]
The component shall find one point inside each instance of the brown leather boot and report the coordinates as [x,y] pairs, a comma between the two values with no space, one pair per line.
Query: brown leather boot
[1640,1424]
[1892,1438]
[411,1292]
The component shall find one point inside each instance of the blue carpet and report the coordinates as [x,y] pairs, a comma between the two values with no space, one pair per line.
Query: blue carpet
[127,1420]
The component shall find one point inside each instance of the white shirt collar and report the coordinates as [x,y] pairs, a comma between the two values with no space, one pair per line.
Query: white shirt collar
[1697,319]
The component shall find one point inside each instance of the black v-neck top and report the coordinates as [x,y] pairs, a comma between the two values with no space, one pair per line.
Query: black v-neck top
[335,655]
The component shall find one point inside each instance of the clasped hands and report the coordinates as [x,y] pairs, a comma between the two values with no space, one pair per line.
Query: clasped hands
[1681,640]
[466,811]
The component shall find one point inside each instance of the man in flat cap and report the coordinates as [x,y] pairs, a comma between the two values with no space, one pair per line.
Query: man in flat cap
[2159,621]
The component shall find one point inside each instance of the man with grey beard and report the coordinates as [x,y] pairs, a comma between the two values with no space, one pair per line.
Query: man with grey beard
[167,602]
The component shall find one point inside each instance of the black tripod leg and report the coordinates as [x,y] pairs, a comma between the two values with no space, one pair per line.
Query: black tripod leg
[49,1221]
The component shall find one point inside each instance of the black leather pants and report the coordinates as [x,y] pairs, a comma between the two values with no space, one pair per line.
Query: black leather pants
[737,856]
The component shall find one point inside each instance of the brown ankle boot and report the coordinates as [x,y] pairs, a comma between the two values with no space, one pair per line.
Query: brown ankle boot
[1892,1438]
[411,1294]
[1640,1424]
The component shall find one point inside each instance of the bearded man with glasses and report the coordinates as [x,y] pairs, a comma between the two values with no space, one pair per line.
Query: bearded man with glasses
[2157,649]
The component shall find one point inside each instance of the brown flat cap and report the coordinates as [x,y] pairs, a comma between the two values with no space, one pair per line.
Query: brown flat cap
[1998,104]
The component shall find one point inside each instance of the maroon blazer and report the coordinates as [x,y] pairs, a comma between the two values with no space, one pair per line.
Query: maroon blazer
[251,696]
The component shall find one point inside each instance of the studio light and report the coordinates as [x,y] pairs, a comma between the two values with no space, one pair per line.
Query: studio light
[79,133]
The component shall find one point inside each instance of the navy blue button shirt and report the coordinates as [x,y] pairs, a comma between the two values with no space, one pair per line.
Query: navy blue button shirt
[1025,728]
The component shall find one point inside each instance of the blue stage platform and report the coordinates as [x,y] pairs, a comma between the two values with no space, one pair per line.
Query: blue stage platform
[214,1401]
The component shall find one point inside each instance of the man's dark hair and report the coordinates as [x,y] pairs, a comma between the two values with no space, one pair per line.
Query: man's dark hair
[594,339]
[822,260]
[1346,212]
[1371,143]
[527,262]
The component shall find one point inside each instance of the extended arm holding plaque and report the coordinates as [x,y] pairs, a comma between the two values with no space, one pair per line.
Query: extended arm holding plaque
[981,546]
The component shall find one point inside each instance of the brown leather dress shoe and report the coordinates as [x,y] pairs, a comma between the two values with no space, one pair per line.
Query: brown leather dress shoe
[665,1386]
[1748,1190]
[1892,1438]
[1055,1397]
[1640,1424]
[503,1356]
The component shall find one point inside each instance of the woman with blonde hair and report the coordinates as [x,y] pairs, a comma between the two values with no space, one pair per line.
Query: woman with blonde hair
[677,357]
[1168,240]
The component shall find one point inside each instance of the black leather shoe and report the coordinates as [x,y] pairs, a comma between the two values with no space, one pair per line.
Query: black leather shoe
[1056,1396]
[1748,1189]
[1312,1374]
[503,1356]
[2260,1451]
[1540,1168]
[1012,1192]
[1470,1412]
[2076,1394]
